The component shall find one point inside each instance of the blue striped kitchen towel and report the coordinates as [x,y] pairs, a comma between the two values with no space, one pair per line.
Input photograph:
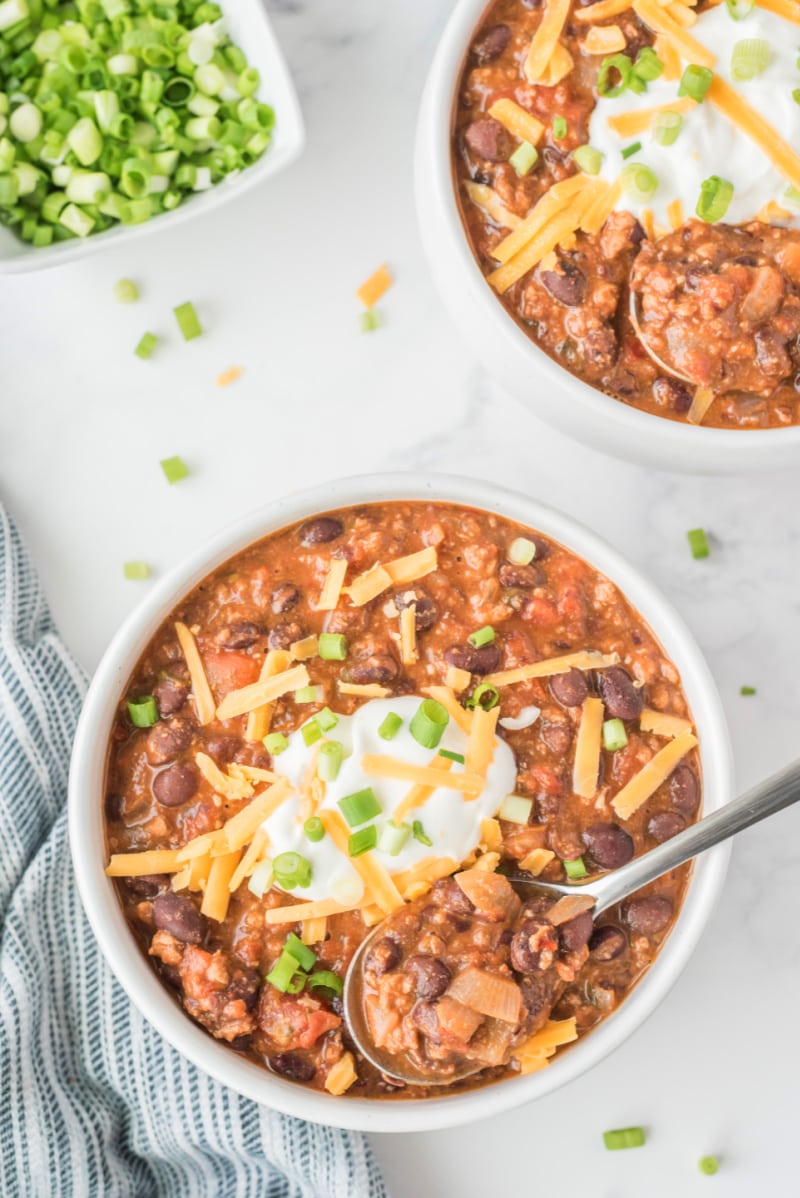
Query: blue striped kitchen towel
[93,1103]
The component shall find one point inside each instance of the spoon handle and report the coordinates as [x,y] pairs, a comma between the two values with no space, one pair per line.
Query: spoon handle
[762,800]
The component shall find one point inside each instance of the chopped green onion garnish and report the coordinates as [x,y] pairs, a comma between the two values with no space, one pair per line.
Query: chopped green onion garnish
[360,806]
[308,694]
[428,723]
[390,726]
[796,95]
[126,291]
[393,837]
[302,954]
[314,829]
[521,551]
[275,743]
[749,58]
[369,320]
[614,735]
[516,809]
[639,182]
[695,82]
[559,128]
[329,760]
[311,732]
[143,712]
[362,841]
[174,469]
[739,9]
[616,65]
[485,696]
[575,869]
[291,870]
[524,158]
[483,636]
[624,1137]
[666,128]
[136,571]
[323,979]
[418,832]
[708,1165]
[147,344]
[698,542]
[326,719]
[590,161]
[285,974]
[457,757]
[648,65]
[715,199]
[629,151]
[332,646]
[188,321]
[747,690]
[261,878]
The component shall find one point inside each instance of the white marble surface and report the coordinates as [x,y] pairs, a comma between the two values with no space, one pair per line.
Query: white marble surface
[83,425]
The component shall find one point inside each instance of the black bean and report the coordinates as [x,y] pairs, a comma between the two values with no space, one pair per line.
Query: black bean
[244,985]
[537,994]
[175,785]
[622,699]
[293,1066]
[575,934]
[484,660]
[240,634]
[383,956]
[600,349]
[284,635]
[610,845]
[431,976]
[672,393]
[567,285]
[147,885]
[378,667]
[533,945]
[648,916]
[488,139]
[665,824]
[448,894]
[426,613]
[284,598]
[166,740]
[684,790]
[321,531]
[424,1017]
[177,914]
[490,43]
[557,737]
[570,689]
[222,748]
[170,695]
[523,577]
[607,943]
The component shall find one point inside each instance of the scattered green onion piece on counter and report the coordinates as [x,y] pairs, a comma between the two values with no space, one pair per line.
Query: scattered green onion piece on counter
[136,571]
[308,694]
[666,128]
[483,636]
[326,719]
[715,199]
[739,9]
[390,726]
[291,870]
[749,58]
[360,806]
[521,551]
[428,723]
[614,735]
[516,809]
[648,66]
[615,64]
[590,161]
[126,291]
[698,542]
[419,834]
[324,979]
[747,690]
[329,760]
[796,95]
[560,128]
[524,158]
[362,841]
[174,469]
[708,1165]
[629,151]
[485,696]
[393,838]
[305,957]
[285,974]
[575,869]
[261,878]
[332,646]
[624,1137]
[639,182]
[457,757]
[275,743]
[695,82]
[311,733]
[143,712]
[188,321]
[369,320]
[314,829]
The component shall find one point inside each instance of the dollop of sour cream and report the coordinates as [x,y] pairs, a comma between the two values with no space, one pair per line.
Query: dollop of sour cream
[709,143]
[449,821]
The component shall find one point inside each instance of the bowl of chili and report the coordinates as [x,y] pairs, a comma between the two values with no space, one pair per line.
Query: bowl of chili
[171,786]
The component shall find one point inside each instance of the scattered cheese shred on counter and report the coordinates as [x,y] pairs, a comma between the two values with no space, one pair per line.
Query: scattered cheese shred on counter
[229,376]
[375,287]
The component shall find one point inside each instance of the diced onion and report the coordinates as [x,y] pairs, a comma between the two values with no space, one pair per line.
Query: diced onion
[528,716]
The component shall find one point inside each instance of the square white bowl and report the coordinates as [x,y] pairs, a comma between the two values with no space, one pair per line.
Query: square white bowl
[251,30]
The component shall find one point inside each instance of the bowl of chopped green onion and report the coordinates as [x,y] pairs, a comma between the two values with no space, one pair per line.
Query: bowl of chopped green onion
[117,112]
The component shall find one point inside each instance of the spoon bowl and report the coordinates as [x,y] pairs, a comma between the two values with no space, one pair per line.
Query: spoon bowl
[638,326]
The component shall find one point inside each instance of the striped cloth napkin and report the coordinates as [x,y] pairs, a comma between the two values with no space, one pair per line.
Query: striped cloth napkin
[93,1103]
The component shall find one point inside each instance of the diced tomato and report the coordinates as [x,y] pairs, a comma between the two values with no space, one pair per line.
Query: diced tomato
[228,671]
[541,611]
[292,1022]
[539,777]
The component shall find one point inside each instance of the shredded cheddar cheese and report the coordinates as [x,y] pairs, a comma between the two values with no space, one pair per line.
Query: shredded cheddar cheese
[258,721]
[419,794]
[518,121]
[647,781]
[302,912]
[628,124]
[332,587]
[489,201]
[378,765]
[660,21]
[248,698]
[136,865]
[457,679]
[365,690]
[537,861]
[701,402]
[408,635]
[754,126]
[222,784]
[602,11]
[588,659]
[545,40]
[371,871]
[201,691]
[663,725]
[217,895]
[341,1075]
[586,768]
[457,713]
[604,39]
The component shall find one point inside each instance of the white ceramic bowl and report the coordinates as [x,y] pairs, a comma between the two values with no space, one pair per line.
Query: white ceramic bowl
[131,967]
[251,30]
[555,395]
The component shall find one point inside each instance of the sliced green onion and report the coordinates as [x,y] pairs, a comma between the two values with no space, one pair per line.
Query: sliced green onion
[291,870]
[796,95]
[390,726]
[136,571]
[419,833]
[85,141]
[485,696]
[362,841]
[629,151]
[25,122]
[323,979]
[708,1165]
[329,760]
[77,221]
[360,806]
[698,542]
[393,838]
[261,878]
[143,712]
[308,694]
[666,128]
[516,809]
[144,350]
[524,158]
[483,636]
[369,320]
[305,957]
[275,743]
[326,719]
[311,733]
[521,551]
[457,757]
[126,291]
[747,690]
[332,646]
[428,723]
[615,65]
[314,829]
[739,9]
[648,66]
[174,469]
[695,82]
[614,735]
[590,161]
[188,321]
[639,182]
[715,199]
[624,1137]
[559,128]
[575,869]
[286,975]
[749,58]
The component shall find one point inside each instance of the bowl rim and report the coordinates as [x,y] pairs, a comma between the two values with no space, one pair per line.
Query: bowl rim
[86,808]
[461,282]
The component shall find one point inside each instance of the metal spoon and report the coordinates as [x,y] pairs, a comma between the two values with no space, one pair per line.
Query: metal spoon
[765,799]
[638,326]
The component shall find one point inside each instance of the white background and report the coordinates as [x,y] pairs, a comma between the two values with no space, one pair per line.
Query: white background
[83,425]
